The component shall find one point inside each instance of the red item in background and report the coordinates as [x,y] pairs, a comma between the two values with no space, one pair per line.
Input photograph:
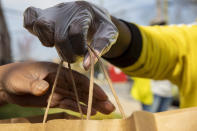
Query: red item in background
[117,75]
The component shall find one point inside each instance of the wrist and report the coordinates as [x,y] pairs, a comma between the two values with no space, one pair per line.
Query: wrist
[122,42]
[4,72]
[2,97]
[133,48]
[3,69]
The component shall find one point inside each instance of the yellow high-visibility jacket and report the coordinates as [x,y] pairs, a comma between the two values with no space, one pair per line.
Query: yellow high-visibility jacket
[141,90]
[169,52]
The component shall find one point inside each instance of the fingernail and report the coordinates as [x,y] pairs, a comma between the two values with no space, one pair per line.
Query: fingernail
[97,53]
[87,63]
[42,85]
[109,106]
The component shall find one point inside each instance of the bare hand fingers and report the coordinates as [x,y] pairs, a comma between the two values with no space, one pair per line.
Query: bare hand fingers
[72,105]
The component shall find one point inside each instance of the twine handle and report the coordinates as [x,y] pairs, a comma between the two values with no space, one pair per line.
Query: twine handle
[52,91]
[91,85]
[75,90]
[110,83]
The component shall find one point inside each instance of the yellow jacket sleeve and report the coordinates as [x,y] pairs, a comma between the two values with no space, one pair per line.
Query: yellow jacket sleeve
[169,52]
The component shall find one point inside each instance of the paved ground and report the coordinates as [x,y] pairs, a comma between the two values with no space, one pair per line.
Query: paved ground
[123,92]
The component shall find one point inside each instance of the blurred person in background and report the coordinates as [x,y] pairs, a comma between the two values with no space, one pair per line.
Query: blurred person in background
[141,91]
[162,93]
[154,95]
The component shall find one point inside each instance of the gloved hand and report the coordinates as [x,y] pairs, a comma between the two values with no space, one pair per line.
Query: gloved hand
[70,27]
[30,84]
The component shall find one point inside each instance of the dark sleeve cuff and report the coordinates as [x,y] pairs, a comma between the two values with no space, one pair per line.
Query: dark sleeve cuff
[131,55]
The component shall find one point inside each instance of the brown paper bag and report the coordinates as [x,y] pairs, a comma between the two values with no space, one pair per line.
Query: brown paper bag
[176,120]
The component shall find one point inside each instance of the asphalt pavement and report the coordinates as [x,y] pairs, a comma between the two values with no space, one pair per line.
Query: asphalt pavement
[123,91]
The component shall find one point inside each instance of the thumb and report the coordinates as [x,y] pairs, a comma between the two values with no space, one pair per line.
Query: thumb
[39,87]
[87,59]
[99,48]
[103,40]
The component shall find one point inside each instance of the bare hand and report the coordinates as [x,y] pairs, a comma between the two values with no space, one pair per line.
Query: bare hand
[30,83]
